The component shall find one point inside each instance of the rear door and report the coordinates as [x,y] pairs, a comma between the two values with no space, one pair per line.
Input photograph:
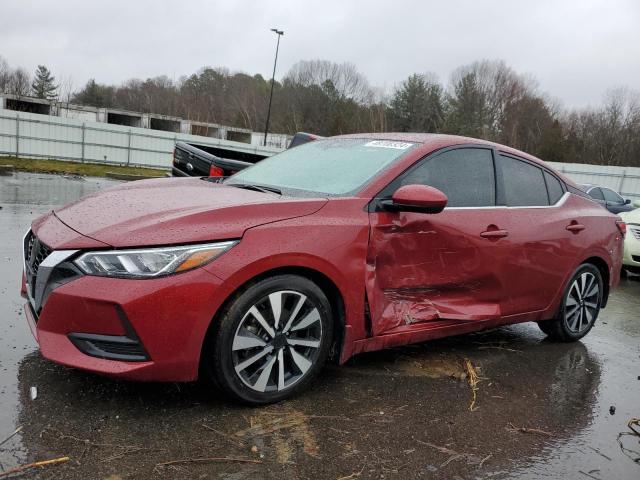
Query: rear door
[434,269]
[542,251]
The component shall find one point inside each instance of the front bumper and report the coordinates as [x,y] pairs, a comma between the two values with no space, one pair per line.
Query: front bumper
[163,320]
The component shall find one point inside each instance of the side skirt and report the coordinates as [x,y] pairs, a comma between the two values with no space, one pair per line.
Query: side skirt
[431,333]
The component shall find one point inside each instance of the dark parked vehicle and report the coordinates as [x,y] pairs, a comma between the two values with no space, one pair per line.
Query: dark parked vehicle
[608,198]
[192,161]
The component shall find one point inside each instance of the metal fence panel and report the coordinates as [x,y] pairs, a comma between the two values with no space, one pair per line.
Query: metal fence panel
[625,180]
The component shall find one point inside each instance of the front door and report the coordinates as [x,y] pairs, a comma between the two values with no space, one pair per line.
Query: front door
[436,269]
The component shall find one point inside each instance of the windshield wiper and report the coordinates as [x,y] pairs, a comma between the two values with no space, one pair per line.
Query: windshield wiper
[257,188]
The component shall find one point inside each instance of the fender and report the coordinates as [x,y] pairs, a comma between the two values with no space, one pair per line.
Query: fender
[597,252]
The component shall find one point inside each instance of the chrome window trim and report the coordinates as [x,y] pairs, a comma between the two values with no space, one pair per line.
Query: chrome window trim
[559,203]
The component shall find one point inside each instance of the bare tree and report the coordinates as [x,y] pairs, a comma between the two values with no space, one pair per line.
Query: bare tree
[19,83]
[5,75]
[344,77]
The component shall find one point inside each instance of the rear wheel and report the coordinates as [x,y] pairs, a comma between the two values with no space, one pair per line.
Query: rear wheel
[580,306]
[271,340]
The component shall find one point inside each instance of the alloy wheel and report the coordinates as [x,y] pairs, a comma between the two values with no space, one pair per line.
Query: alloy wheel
[582,303]
[277,341]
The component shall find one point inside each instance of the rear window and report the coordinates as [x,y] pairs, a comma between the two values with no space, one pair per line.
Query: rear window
[554,187]
[523,183]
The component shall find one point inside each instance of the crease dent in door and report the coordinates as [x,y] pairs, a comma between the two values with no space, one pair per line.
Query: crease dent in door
[428,274]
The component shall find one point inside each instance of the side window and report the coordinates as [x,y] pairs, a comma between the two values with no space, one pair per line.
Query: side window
[596,193]
[553,187]
[465,175]
[523,183]
[611,196]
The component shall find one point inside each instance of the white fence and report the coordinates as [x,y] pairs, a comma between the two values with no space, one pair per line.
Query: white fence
[44,136]
[625,180]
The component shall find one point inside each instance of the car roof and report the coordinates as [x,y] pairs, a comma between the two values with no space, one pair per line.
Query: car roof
[434,141]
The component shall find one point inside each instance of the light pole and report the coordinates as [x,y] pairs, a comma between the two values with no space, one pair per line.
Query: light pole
[266,128]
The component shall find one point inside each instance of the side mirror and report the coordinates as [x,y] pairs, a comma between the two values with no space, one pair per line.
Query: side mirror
[627,201]
[417,198]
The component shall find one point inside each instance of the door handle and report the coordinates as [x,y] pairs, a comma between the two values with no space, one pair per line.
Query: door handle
[494,234]
[575,227]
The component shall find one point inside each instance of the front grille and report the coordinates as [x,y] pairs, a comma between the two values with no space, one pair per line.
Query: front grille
[635,258]
[635,230]
[34,254]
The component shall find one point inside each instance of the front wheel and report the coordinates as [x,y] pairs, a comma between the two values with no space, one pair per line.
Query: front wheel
[271,340]
[580,306]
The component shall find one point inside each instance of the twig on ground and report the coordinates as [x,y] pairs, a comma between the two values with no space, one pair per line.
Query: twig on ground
[452,458]
[634,426]
[600,453]
[28,466]
[493,347]
[534,431]
[353,475]
[206,460]
[15,432]
[485,459]
[588,475]
[472,377]
[229,438]
[446,450]
[125,452]
[471,458]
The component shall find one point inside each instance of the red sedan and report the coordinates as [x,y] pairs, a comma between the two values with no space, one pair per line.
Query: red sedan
[336,247]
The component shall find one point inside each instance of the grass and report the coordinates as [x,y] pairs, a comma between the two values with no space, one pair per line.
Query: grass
[76,168]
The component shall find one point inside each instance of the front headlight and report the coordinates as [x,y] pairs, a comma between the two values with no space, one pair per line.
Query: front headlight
[150,262]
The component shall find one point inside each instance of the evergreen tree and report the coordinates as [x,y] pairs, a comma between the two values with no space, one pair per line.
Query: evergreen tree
[417,105]
[43,85]
[467,108]
[98,95]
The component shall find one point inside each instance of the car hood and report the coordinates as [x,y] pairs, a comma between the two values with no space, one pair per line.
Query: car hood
[177,210]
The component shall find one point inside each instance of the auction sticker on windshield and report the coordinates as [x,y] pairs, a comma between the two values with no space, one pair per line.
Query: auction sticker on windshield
[389,144]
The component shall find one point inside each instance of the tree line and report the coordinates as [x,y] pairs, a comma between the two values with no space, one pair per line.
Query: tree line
[485,99]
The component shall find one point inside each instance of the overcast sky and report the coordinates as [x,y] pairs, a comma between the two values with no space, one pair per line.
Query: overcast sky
[577,49]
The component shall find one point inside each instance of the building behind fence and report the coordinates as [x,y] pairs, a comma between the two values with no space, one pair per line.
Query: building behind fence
[40,135]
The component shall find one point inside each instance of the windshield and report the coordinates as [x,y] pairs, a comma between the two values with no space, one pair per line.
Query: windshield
[336,166]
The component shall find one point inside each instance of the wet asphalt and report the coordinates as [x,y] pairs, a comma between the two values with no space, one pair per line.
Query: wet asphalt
[542,409]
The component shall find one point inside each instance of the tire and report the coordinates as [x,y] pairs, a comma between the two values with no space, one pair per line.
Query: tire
[257,360]
[547,327]
[580,306]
